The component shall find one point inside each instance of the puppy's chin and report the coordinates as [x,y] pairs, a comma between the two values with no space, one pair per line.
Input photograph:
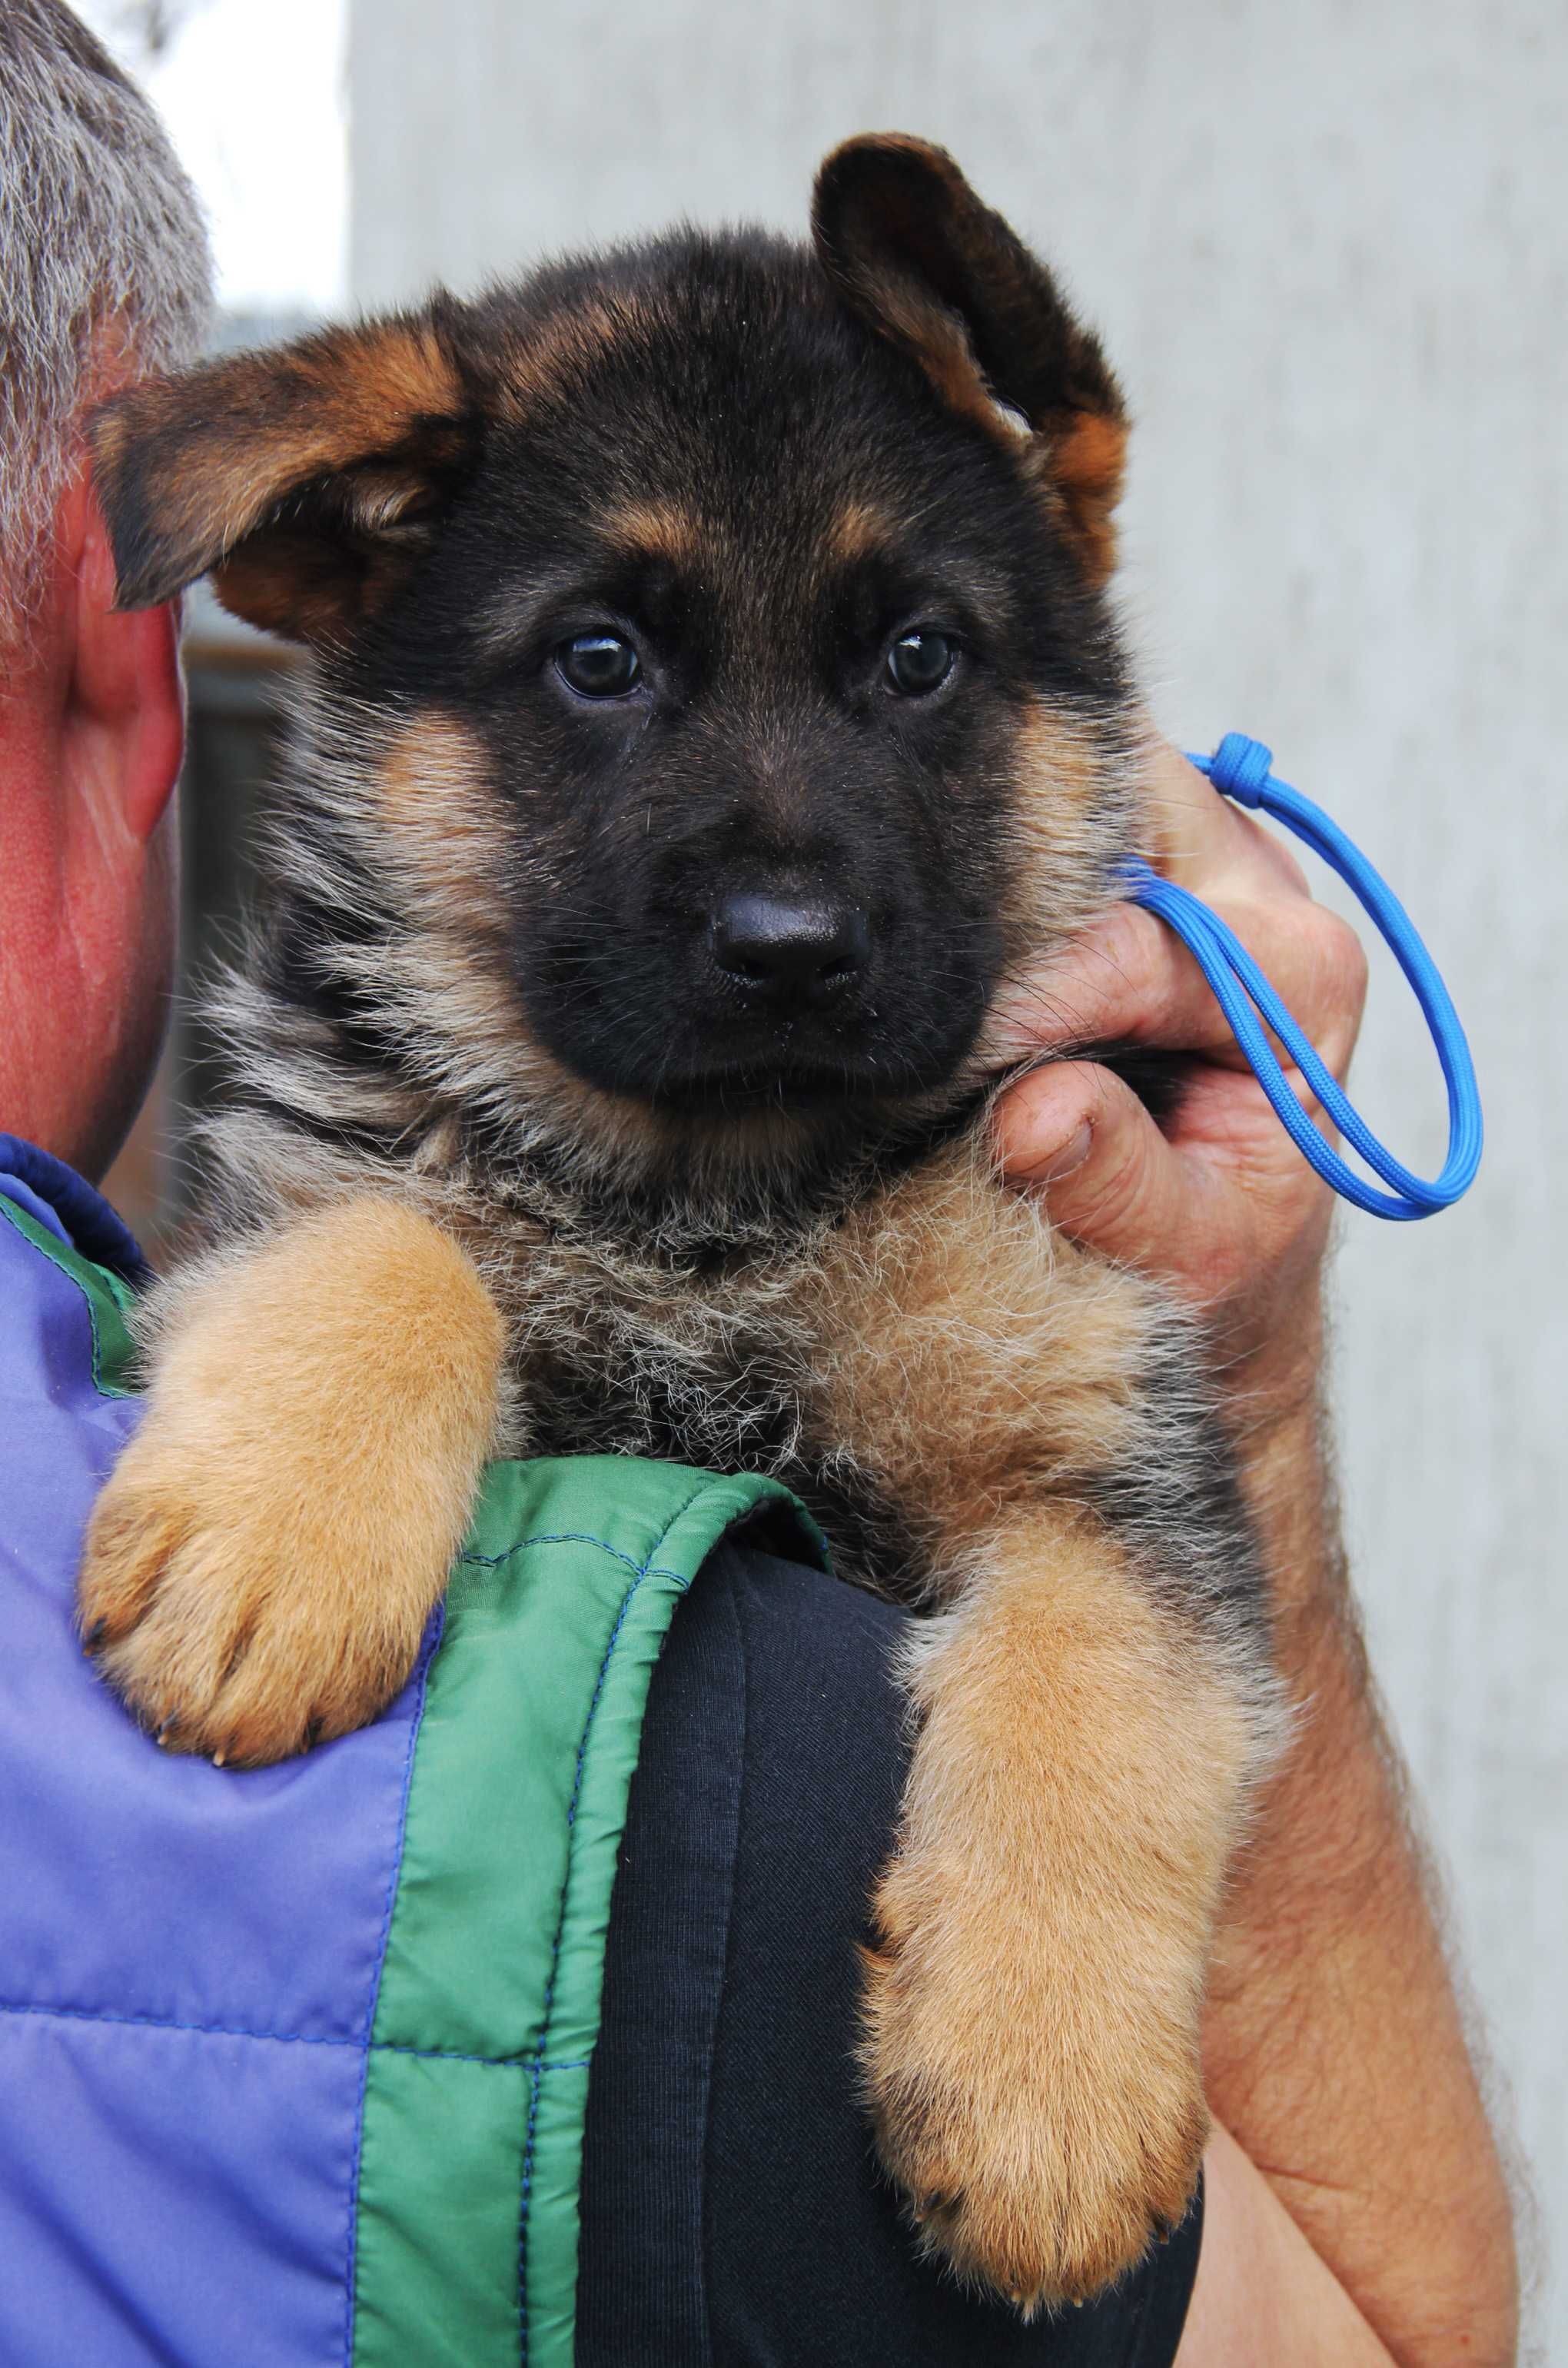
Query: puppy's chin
[716,1170]
[745,1127]
[811,1066]
[810,1094]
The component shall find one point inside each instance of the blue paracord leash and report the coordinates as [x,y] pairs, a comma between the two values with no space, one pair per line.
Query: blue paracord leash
[1241,768]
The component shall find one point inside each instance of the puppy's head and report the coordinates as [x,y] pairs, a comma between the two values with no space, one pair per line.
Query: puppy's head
[714,692]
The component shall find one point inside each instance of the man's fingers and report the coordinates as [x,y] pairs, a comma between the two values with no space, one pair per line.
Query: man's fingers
[1215,1200]
[1129,980]
[1202,840]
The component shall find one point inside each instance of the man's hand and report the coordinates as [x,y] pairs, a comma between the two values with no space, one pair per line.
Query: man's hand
[1219,1203]
[1334,2048]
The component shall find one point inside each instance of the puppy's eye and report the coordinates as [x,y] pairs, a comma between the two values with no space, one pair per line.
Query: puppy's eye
[600,666]
[921,661]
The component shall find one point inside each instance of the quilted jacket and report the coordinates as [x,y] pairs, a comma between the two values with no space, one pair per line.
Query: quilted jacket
[294,2061]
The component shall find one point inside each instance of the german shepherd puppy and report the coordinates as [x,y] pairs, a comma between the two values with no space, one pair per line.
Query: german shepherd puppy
[713,702]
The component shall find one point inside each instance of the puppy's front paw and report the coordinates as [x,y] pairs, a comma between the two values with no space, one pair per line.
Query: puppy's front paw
[259,1570]
[243,1607]
[1038,2101]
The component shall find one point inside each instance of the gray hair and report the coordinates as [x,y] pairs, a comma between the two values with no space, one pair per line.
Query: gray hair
[101,236]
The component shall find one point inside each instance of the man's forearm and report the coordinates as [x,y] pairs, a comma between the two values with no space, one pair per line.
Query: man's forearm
[1263,2297]
[1335,2050]
[1335,2047]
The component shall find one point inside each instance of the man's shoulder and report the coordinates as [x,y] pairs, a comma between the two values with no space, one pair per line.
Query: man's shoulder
[66,1206]
[64,1358]
[293,1966]
[732,2206]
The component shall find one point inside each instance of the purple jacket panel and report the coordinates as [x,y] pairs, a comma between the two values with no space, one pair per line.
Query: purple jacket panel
[188,1955]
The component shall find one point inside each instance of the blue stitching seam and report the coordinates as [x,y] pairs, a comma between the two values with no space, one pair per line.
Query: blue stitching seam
[554,1962]
[288,2038]
[394,1874]
[641,1572]
[579,1538]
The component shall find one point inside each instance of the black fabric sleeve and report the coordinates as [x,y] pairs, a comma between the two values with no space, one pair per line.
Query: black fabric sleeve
[733,2213]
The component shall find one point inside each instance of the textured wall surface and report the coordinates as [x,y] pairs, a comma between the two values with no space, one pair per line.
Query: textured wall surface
[1326,246]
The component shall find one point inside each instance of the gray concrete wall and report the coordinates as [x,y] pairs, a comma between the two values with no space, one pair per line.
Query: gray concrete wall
[1326,246]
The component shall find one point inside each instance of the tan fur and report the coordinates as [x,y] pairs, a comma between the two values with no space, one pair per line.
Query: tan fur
[856,531]
[543,366]
[1076,464]
[1067,777]
[261,1565]
[656,530]
[1032,2010]
[445,841]
[1031,2045]
[977,1359]
[284,583]
[366,402]
[447,831]
[1087,460]
[937,340]
[352,394]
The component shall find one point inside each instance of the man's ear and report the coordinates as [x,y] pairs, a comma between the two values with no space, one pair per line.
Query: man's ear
[305,481]
[124,718]
[911,248]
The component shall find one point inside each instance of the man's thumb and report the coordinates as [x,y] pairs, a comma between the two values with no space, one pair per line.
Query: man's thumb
[1075,1131]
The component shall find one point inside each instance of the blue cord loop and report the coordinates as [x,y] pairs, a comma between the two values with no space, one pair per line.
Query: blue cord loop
[1243,769]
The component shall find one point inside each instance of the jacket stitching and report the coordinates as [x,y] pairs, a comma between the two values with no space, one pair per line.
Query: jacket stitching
[109,1392]
[584,1538]
[291,2038]
[395,1874]
[641,1572]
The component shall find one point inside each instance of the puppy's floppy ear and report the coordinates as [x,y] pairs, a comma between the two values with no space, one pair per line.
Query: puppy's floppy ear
[911,248]
[305,481]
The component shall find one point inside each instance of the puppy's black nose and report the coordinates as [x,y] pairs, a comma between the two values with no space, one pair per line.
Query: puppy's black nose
[796,953]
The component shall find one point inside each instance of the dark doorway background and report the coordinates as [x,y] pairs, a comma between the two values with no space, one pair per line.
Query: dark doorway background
[238,717]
